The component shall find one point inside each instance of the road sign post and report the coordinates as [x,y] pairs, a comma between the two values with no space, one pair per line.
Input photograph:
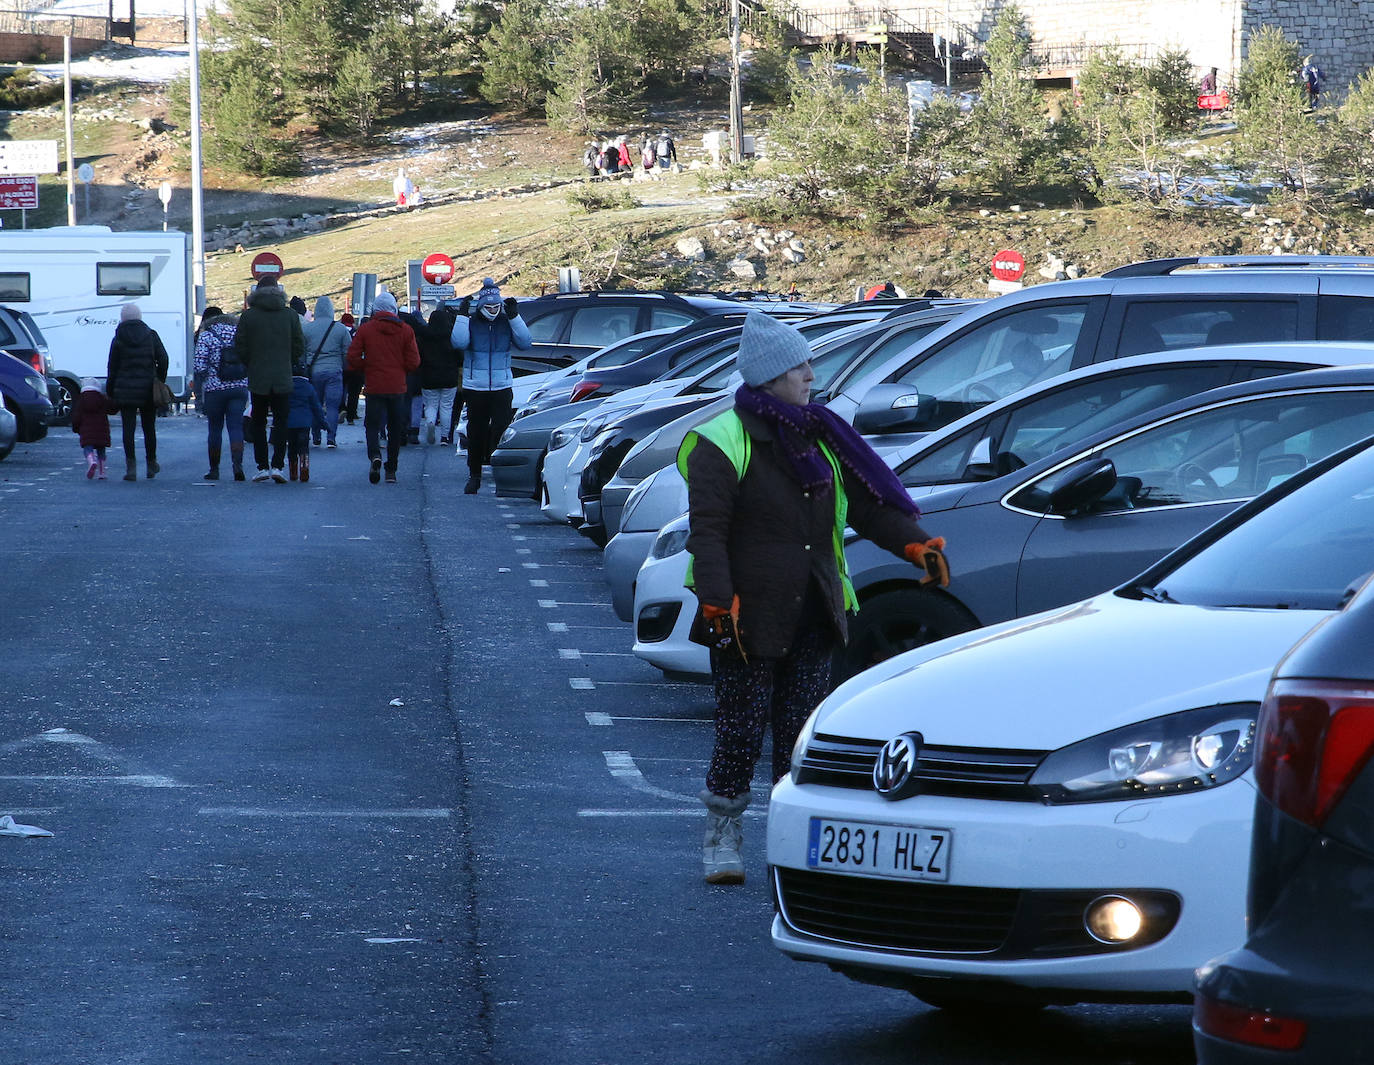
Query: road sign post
[266,264]
[1008,267]
[437,268]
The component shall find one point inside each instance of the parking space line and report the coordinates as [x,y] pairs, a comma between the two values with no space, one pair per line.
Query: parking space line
[682,720]
[538,583]
[623,768]
[140,780]
[598,717]
[569,652]
[529,565]
[557,626]
[652,684]
[685,811]
[581,684]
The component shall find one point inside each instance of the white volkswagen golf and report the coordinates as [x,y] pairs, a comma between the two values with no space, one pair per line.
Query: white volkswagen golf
[1057,809]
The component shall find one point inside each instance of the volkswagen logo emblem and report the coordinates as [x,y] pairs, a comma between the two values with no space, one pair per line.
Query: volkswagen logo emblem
[893,771]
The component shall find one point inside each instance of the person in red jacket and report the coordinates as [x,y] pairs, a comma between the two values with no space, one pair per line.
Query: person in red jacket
[384,351]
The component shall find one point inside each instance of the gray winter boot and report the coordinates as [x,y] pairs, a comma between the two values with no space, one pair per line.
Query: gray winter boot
[720,852]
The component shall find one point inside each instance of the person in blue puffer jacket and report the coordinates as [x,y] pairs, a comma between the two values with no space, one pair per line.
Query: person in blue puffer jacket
[486,329]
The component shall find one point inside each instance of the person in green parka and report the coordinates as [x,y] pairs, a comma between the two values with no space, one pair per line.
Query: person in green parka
[269,342]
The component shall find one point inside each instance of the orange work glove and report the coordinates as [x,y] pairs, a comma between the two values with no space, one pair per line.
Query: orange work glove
[930,556]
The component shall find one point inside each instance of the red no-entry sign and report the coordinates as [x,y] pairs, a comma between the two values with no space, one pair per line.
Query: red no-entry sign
[437,269]
[265,264]
[1008,265]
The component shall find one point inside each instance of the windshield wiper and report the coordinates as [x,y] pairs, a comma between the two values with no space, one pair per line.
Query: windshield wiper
[1154,595]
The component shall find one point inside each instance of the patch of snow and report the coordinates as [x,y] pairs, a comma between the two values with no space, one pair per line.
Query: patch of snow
[154,66]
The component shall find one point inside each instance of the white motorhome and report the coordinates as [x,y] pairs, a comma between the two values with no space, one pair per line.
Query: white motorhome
[75,279]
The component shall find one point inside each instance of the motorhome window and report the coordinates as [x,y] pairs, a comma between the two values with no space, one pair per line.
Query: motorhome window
[14,288]
[123,279]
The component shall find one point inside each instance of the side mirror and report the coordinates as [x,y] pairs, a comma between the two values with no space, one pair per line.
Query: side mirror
[895,409]
[1078,487]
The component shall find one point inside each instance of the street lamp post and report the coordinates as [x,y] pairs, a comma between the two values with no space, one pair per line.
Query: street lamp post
[736,107]
[197,191]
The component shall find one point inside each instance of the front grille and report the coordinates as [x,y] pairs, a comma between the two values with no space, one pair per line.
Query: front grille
[997,923]
[975,772]
[896,914]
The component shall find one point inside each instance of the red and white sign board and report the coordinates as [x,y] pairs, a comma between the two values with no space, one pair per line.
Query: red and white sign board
[265,264]
[1008,265]
[18,193]
[437,268]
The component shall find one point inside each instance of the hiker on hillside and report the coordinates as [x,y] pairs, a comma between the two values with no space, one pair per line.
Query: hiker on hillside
[623,151]
[326,347]
[1313,78]
[1208,85]
[648,154]
[590,157]
[665,151]
[384,351]
[269,341]
[403,188]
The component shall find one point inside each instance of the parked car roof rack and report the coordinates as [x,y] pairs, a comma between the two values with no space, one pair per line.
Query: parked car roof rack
[1162,267]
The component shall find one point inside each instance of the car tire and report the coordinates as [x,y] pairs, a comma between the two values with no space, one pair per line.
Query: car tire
[67,396]
[898,620]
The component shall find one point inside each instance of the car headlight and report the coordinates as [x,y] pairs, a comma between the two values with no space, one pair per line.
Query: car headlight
[565,434]
[632,500]
[592,428]
[803,741]
[670,542]
[602,442]
[507,436]
[1171,755]
[37,384]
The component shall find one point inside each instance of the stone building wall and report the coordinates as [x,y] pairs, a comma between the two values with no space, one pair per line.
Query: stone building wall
[1339,33]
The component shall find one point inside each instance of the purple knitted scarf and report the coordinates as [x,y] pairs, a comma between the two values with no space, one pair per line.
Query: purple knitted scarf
[800,429]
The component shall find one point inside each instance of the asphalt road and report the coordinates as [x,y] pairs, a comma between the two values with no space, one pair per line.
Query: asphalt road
[350,773]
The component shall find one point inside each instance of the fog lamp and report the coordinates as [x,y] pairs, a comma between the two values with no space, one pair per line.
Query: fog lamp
[1113,919]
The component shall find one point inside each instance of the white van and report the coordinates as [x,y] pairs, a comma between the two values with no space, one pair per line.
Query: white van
[73,280]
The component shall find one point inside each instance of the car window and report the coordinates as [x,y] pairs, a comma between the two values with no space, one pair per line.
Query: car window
[1057,419]
[1163,325]
[1302,552]
[547,328]
[1345,318]
[624,352]
[1237,450]
[699,359]
[946,464]
[717,378]
[997,358]
[7,337]
[600,325]
[665,318]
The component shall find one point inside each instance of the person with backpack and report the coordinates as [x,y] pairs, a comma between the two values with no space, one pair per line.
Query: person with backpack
[440,374]
[326,347]
[1313,77]
[665,151]
[224,384]
[622,148]
[609,159]
[648,154]
[589,158]
[307,416]
[771,486]
[486,329]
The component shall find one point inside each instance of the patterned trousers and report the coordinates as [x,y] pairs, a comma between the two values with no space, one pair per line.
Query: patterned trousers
[776,692]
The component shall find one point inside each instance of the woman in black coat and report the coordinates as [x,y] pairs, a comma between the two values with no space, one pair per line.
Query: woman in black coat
[136,358]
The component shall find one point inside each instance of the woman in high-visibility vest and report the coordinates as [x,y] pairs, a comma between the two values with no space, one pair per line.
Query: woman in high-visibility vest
[771,486]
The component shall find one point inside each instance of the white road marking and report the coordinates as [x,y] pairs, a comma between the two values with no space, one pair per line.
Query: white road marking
[530,565]
[569,652]
[623,768]
[652,684]
[538,583]
[98,750]
[582,684]
[387,942]
[549,604]
[684,720]
[139,780]
[557,626]
[438,813]
[596,717]
[524,551]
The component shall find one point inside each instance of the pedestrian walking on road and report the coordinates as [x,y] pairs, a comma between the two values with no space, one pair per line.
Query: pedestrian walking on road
[224,386]
[440,374]
[91,423]
[772,484]
[136,358]
[384,350]
[306,417]
[326,347]
[269,342]
[486,329]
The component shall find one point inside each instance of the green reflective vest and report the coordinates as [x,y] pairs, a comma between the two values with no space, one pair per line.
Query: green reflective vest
[726,431]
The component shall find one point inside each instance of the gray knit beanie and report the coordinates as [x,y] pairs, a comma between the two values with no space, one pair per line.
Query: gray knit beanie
[769,348]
